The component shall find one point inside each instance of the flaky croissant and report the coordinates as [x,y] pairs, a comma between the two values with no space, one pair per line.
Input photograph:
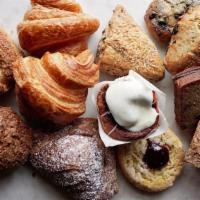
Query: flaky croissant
[49,28]
[70,5]
[54,89]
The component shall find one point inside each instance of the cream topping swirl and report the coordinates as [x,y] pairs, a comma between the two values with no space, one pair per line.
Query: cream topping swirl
[130,103]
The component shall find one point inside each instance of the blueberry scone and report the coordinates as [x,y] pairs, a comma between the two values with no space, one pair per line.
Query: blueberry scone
[163,15]
[183,51]
[152,164]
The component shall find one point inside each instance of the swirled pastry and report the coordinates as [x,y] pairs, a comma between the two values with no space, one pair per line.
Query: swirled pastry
[54,89]
[49,28]
[70,5]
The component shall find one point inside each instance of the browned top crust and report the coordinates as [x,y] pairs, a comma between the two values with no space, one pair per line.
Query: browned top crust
[70,5]
[8,54]
[76,159]
[193,154]
[110,126]
[15,139]
[47,28]
[162,16]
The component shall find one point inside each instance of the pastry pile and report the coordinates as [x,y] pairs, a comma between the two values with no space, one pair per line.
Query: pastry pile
[52,83]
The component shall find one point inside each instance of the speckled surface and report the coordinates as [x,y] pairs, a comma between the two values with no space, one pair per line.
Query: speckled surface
[22,185]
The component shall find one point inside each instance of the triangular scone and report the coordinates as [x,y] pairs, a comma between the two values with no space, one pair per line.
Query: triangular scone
[183,51]
[125,47]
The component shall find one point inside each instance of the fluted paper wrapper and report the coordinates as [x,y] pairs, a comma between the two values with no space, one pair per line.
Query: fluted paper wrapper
[163,124]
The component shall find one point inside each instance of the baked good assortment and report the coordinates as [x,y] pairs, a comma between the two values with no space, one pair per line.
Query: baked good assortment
[125,47]
[183,50]
[187,104]
[15,140]
[193,154]
[8,54]
[76,159]
[51,29]
[54,88]
[162,16]
[152,164]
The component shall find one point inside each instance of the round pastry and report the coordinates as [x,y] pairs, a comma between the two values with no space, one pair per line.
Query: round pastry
[162,16]
[54,89]
[152,164]
[8,54]
[127,109]
[15,140]
[46,29]
[76,159]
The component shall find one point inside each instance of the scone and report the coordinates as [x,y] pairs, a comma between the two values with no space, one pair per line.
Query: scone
[183,51]
[152,165]
[76,159]
[15,140]
[53,89]
[186,93]
[162,16]
[125,47]
[8,54]
[193,154]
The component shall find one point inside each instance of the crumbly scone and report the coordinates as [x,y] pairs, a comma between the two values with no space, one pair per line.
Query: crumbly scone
[186,97]
[76,159]
[193,154]
[162,16]
[8,54]
[125,47]
[183,51]
[15,140]
[54,89]
[133,166]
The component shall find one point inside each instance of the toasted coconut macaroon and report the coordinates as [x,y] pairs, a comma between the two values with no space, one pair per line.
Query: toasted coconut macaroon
[152,164]
[15,140]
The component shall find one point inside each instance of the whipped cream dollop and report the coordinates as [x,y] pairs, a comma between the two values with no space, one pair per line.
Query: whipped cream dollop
[130,103]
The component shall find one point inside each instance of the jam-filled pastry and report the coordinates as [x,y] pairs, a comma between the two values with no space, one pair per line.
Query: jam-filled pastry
[54,89]
[48,29]
[8,54]
[152,164]
[70,5]
[76,159]
[125,47]
[128,109]
[15,140]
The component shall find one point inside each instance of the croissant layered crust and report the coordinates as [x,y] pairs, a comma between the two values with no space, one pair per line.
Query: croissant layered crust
[56,85]
[48,28]
[70,5]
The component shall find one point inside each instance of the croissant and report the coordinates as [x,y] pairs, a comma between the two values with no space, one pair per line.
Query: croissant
[70,5]
[51,28]
[54,88]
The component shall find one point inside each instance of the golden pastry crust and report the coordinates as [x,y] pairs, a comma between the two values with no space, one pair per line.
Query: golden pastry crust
[55,88]
[8,54]
[70,5]
[131,162]
[183,51]
[125,47]
[45,28]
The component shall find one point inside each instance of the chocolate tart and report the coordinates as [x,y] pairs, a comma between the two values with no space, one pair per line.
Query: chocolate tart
[110,126]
